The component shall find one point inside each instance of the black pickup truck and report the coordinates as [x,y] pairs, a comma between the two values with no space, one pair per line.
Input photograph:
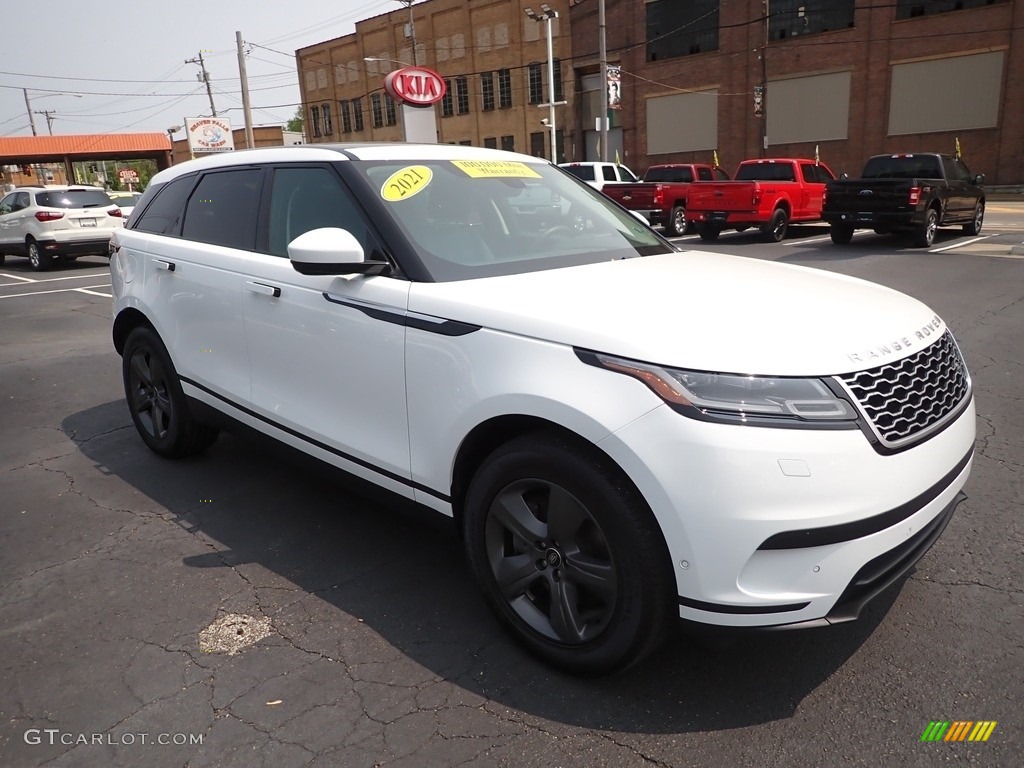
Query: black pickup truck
[914,193]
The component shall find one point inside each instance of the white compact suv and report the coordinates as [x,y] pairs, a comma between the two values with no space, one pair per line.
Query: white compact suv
[56,222]
[625,433]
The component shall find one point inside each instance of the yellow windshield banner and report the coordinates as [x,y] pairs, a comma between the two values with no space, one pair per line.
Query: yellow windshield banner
[495,169]
[404,183]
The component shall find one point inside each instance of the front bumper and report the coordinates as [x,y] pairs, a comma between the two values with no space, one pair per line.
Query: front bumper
[770,527]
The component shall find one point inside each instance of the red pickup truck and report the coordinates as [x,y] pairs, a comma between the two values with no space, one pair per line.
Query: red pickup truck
[662,195]
[769,194]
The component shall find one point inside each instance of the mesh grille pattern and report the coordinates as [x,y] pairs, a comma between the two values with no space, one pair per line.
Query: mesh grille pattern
[904,398]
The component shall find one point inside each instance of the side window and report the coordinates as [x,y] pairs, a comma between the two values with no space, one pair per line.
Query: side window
[223,208]
[306,198]
[162,216]
[21,201]
[721,175]
[704,174]
[609,173]
[7,204]
[963,172]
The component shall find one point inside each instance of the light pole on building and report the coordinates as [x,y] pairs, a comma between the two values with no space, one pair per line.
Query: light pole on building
[547,13]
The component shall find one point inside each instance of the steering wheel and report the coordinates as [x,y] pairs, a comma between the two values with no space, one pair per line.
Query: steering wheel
[558,229]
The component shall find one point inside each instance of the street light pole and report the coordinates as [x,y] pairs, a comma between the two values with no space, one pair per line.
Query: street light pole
[603,53]
[412,30]
[546,15]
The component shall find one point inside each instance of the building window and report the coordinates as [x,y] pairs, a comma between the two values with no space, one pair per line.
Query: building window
[504,88]
[487,89]
[559,90]
[345,109]
[389,110]
[491,142]
[682,29]
[314,120]
[508,143]
[536,83]
[462,95]
[908,9]
[357,112]
[378,112]
[466,143]
[537,144]
[325,111]
[446,100]
[792,18]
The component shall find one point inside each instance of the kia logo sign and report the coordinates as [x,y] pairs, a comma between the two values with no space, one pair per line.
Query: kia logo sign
[418,86]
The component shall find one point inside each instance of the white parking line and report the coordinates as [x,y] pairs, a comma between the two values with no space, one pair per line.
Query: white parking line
[18,277]
[958,245]
[91,276]
[85,289]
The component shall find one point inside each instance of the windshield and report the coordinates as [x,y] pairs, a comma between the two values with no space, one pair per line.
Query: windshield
[469,219]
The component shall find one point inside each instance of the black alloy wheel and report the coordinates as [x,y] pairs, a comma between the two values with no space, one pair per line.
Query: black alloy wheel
[568,554]
[974,226]
[775,230]
[924,235]
[158,405]
[841,234]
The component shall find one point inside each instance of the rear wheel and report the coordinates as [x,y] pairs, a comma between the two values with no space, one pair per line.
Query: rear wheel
[39,259]
[3,259]
[775,230]
[676,221]
[974,227]
[924,235]
[568,554]
[157,403]
[841,234]
[708,232]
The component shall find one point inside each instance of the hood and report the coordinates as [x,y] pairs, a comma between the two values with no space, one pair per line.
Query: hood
[698,310]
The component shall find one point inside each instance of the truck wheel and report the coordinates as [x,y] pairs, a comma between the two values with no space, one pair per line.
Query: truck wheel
[708,232]
[676,221]
[969,229]
[3,258]
[775,230]
[841,234]
[924,235]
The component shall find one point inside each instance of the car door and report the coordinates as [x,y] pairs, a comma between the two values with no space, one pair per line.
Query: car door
[327,352]
[12,219]
[193,239]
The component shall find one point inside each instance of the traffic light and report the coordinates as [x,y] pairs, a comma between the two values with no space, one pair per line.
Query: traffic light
[26,170]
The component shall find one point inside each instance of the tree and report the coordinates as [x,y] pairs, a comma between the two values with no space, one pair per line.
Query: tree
[295,124]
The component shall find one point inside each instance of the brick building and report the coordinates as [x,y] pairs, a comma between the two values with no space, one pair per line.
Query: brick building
[492,55]
[852,78]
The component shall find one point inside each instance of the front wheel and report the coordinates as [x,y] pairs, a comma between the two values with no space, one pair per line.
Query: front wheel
[676,221]
[157,403]
[924,235]
[841,234]
[568,554]
[974,227]
[775,230]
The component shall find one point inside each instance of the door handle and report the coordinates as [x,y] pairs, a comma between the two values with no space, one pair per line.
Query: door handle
[266,290]
[167,265]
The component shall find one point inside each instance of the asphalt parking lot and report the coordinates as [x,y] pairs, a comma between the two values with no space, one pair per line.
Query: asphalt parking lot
[246,609]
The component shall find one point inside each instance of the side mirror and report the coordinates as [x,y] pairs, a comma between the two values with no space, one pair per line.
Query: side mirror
[844,175]
[979,179]
[331,251]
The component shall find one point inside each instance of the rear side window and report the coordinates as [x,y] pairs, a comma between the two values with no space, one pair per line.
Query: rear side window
[162,216]
[223,209]
[583,172]
[609,173]
[74,198]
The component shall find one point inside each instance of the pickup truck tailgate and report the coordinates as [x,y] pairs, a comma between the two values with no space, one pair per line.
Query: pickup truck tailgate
[636,197]
[878,195]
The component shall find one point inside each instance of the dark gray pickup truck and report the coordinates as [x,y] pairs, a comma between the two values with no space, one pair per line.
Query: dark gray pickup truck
[915,193]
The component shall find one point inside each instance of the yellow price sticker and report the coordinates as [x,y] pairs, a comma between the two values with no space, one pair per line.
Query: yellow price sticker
[496,169]
[404,183]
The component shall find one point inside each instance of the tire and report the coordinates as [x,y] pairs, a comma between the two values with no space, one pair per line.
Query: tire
[708,232]
[775,230]
[3,259]
[841,234]
[974,227]
[568,555]
[156,401]
[676,224]
[39,259]
[924,235]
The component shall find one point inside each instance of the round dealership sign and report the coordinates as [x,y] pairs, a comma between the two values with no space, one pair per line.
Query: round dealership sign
[418,86]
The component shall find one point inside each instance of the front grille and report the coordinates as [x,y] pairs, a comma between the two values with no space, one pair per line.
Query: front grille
[910,398]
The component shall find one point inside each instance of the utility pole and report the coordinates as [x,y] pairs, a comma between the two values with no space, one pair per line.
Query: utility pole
[764,78]
[28,106]
[49,119]
[246,109]
[603,52]
[412,30]
[205,78]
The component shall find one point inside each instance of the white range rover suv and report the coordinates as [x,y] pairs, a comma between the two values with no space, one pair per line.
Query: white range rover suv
[625,433]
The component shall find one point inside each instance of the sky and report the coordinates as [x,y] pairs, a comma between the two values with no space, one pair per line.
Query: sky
[120,67]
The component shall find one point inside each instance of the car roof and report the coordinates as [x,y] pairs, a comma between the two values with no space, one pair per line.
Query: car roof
[400,151]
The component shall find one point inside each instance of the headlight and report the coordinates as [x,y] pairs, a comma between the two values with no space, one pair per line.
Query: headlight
[736,398]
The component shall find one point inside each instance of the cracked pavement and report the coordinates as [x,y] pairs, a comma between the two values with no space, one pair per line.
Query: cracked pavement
[380,650]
